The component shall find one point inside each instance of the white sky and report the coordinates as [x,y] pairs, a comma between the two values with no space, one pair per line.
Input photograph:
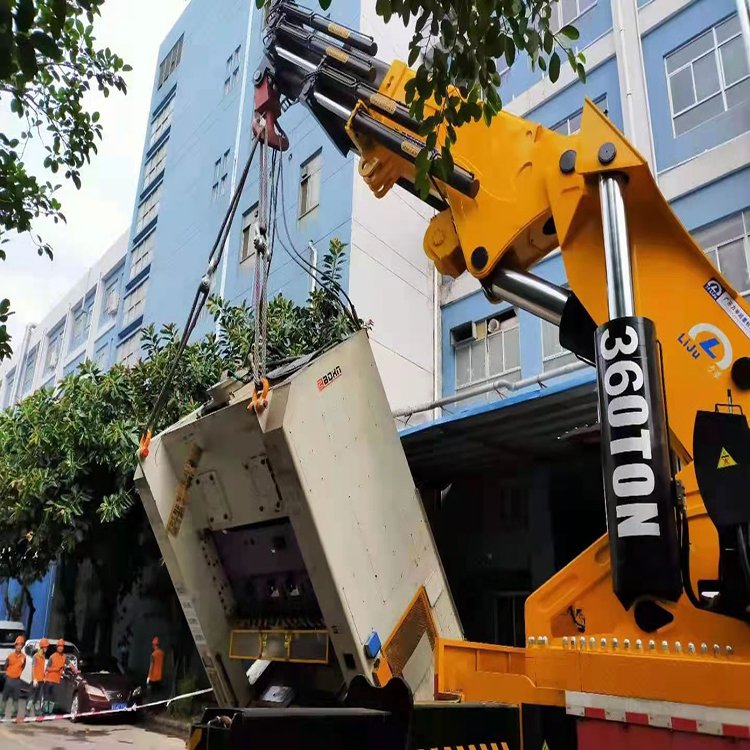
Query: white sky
[100,212]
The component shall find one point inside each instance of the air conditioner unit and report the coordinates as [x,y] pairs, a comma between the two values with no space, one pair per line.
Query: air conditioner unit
[465,332]
[113,302]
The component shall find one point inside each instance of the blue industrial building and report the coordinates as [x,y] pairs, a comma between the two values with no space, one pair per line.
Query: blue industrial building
[671,74]
[204,85]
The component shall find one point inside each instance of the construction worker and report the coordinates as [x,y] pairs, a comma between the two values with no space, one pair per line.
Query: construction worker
[14,665]
[53,677]
[156,668]
[38,667]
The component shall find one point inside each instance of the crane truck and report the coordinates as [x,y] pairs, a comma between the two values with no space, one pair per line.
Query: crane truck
[292,529]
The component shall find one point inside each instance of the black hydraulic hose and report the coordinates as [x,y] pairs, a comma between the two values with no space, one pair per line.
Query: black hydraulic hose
[684,544]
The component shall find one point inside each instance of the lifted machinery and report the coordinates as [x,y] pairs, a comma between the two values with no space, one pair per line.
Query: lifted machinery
[647,628]
[300,524]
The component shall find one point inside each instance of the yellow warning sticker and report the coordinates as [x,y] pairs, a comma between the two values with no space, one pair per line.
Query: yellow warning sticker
[725,460]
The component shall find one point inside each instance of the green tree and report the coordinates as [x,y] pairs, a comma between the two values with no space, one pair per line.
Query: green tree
[67,455]
[455,49]
[49,62]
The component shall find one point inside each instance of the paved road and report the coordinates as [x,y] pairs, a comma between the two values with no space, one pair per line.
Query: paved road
[62,735]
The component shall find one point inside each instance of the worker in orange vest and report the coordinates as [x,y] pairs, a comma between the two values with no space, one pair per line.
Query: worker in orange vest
[38,666]
[53,677]
[156,668]
[14,665]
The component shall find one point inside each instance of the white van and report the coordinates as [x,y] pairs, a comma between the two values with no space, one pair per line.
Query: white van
[9,631]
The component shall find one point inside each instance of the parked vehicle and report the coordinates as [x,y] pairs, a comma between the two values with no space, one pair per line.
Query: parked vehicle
[97,684]
[9,631]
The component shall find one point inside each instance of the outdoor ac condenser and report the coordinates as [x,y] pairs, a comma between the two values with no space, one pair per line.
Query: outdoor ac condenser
[299,528]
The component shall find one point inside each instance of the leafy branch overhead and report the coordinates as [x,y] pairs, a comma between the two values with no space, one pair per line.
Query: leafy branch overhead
[459,49]
[49,62]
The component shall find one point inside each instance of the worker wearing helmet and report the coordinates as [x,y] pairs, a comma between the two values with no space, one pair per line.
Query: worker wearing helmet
[14,665]
[38,667]
[53,677]
[156,668]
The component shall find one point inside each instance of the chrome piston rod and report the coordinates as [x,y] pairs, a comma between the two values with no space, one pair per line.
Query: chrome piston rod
[529,292]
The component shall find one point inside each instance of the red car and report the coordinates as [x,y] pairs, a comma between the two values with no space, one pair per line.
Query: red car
[99,684]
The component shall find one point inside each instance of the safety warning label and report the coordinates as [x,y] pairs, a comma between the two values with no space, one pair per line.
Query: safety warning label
[725,460]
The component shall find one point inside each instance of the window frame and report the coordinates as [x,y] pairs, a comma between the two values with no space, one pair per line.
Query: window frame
[81,326]
[142,254]
[10,384]
[221,175]
[715,50]
[249,219]
[305,180]
[100,354]
[563,351]
[603,99]
[144,217]
[131,347]
[232,70]
[170,62]
[468,342]
[54,345]
[744,215]
[132,310]
[29,371]
[162,121]
[557,10]
[154,165]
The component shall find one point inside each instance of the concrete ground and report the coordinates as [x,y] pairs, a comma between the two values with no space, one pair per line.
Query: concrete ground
[63,735]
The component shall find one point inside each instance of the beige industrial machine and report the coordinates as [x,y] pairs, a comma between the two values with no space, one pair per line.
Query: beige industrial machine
[299,524]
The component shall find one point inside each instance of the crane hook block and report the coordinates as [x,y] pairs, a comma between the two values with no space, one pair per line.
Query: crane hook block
[259,398]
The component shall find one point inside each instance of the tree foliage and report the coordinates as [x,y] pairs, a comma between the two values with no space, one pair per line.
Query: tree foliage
[456,50]
[67,455]
[49,62]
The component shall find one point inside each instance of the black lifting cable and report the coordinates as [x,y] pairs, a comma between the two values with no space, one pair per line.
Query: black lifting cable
[199,301]
[333,288]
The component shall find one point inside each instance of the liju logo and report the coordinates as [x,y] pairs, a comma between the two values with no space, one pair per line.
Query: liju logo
[704,339]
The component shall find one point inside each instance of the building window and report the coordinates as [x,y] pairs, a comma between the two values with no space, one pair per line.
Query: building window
[134,304]
[111,302]
[572,124]
[147,210]
[488,349]
[221,176]
[554,355]
[81,322]
[10,382]
[101,358]
[28,372]
[129,352]
[249,219]
[52,356]
[142,253]
[707,76]
[161,122]
[169,64]
[727,244]
[232,71]
[154,165]
[309,184]
[565,12]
